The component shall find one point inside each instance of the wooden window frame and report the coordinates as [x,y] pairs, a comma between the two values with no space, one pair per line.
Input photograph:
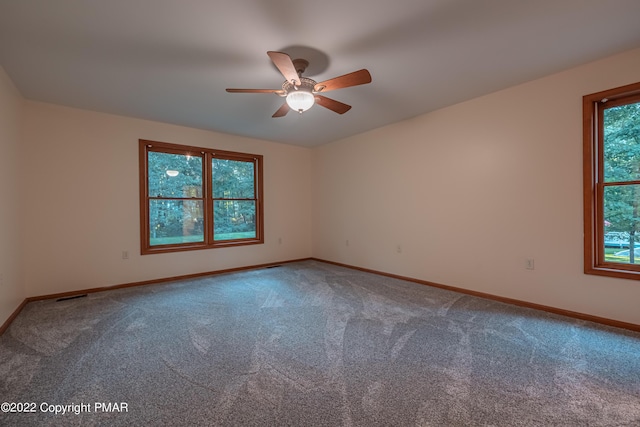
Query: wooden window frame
[207,155]
[593,181]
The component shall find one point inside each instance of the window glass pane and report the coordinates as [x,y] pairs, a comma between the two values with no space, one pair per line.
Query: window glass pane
[175,221]
[232,179]
[234,219]
[622,143]
[174,175]
[622,223]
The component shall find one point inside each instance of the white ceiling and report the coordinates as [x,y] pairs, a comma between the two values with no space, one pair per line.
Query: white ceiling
[171,60]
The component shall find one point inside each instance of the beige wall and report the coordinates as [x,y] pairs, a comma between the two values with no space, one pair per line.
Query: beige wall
[471,191]
[83,207]
[11,286]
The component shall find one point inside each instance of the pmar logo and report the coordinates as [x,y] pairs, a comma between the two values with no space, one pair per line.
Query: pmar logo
[111,407]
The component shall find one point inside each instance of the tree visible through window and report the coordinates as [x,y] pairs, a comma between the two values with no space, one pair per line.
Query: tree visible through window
[234,202]
[612,182]
[196,198]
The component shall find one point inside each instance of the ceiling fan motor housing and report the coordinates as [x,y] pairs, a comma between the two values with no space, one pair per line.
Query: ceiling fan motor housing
[306,84]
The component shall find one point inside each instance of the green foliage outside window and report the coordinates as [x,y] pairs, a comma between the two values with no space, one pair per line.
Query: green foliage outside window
[621,168]
[232,182]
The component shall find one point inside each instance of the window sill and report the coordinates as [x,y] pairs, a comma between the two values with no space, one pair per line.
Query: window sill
[196,247]
[620,272]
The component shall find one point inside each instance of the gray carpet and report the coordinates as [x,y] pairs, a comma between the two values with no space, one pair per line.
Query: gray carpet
[313,344]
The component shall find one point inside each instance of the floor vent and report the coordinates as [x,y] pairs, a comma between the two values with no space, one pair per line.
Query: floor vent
[72,297]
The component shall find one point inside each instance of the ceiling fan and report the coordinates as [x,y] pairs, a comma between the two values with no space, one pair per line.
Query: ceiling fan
[302,92]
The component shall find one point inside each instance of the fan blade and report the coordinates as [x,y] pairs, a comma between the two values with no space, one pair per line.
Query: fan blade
[276,91]
[332,104]
[284,63]
[356,78]
[282,111]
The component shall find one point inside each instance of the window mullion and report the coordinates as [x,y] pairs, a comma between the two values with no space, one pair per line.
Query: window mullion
[207,194]
[620,183]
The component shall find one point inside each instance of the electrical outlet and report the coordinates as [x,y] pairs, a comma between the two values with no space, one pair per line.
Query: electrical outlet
[125,254]
[529,264]
[399,249]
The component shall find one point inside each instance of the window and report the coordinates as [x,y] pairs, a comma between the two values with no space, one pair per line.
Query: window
[198,198]
[612,182]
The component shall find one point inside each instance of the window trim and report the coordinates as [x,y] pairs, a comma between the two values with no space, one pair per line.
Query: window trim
[207,154]
[593,182]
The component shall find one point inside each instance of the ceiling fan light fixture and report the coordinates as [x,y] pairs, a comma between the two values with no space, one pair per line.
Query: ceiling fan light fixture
[300,100]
